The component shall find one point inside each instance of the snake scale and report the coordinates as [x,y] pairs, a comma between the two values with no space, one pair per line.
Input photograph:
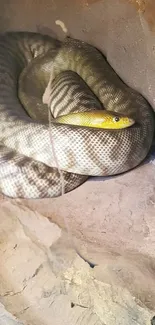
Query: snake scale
[76,76]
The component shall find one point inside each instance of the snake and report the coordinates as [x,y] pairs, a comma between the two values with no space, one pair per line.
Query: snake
[67,76]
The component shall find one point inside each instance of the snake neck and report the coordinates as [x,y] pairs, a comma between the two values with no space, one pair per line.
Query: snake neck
[89,64]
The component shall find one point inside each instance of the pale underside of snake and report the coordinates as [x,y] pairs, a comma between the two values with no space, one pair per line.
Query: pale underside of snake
[78,78]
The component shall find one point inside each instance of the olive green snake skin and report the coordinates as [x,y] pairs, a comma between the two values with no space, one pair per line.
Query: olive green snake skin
[27,165]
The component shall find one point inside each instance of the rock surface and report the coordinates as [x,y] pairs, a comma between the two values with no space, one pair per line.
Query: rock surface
[110,221]
[44,281]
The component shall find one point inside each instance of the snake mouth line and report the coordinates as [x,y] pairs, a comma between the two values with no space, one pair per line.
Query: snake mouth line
[135,125]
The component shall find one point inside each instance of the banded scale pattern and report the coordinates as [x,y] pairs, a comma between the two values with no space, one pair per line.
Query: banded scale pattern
[25,142]
[68,93]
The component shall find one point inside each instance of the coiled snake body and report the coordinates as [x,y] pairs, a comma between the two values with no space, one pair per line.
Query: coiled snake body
[27,165]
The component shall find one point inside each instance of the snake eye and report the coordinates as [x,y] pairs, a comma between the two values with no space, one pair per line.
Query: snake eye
[116,119]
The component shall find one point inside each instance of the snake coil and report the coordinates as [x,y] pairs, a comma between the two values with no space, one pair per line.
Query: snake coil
[76,76]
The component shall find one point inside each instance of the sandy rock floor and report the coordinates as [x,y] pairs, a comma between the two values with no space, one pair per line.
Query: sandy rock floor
[44,281]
